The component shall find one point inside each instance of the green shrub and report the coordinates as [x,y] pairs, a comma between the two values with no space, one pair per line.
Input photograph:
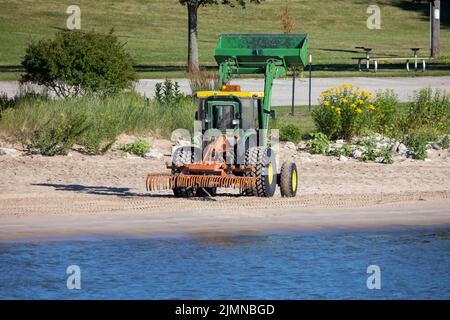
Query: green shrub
[137,147]
[290,132]
[387,119]
[318,144]
[371,152]
[77,62]
[445,142]
[57,136]
[168,92]
[386,154]
[429,110]
[345,150]
[418,141]
[344,112]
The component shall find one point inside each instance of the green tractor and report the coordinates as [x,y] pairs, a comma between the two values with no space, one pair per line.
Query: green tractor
[235,149]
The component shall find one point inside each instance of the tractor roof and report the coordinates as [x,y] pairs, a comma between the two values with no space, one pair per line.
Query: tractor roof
[239,94]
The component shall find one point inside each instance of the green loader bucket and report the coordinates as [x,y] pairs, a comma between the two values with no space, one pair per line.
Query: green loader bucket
[253,50]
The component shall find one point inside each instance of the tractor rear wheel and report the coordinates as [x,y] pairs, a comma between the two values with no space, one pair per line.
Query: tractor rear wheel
[288,179]
[266,171]
[182,156]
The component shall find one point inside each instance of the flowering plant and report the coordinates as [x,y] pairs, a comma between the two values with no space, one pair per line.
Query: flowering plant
[343,111]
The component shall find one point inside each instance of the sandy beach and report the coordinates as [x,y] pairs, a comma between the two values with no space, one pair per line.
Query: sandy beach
[76,195]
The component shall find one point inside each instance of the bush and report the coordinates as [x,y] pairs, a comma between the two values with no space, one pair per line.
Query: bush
[445,142]
[77,62]
[58,136]
[344,112]
[430,109]
[137,147]
[318,144]
[371,152]
[387,119]
[290,132]
[386,154]
[418,141]
[168,92]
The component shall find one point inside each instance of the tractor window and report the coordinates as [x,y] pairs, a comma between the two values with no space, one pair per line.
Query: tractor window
[223,116]
[249,113]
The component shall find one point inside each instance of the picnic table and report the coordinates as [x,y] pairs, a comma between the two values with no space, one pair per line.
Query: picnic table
[376,60]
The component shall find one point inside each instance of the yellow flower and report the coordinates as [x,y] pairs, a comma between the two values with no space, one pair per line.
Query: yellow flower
[371,107]
[343,100]
[338,110]
[358,110]
[367,94]
[357,92]
[332,107]
[360,101]
[352,106]
[62,114]
[326,103]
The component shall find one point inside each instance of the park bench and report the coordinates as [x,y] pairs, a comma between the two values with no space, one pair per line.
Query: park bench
[376,60]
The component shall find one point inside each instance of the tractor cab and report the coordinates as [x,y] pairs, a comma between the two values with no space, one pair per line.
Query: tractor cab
[229,109]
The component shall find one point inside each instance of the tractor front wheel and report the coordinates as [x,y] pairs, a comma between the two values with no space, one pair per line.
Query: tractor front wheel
[288,179]
[263,160]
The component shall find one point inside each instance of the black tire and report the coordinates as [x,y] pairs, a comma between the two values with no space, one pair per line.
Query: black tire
[181,156]
[266,172]
[288,179]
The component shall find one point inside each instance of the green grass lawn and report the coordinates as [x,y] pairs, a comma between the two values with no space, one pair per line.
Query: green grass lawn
[155,32]
[301,118]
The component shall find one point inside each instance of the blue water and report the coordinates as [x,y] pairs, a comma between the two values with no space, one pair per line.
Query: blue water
[414,263]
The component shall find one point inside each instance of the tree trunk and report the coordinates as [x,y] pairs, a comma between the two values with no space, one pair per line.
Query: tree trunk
[193,64]
[435,28]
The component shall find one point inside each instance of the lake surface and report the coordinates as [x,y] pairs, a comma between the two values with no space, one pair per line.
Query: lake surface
[330,264]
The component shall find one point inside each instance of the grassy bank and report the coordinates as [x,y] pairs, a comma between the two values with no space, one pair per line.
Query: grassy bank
[91,122]
[155,31]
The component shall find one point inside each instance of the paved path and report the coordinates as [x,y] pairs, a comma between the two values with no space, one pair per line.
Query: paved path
[404,87]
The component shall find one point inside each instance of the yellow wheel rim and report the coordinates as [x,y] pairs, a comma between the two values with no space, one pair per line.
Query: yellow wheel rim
[294,180]
[270,173]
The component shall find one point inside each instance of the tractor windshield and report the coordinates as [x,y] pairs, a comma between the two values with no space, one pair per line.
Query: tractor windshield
[222,116]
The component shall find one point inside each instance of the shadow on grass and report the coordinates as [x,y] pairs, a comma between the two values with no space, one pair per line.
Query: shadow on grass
[100,190]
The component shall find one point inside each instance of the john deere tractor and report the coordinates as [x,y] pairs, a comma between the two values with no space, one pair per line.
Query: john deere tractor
[233,147]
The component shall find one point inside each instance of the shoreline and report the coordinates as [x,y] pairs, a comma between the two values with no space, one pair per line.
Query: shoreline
[50,227]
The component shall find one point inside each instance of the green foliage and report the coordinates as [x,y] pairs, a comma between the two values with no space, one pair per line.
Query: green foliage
[344,112]
[57,136]
[290,132]
[106,118]
[387,119]
[168,92]
[345,150]
[430,109]
[371,152]
[318,144]
[386,154]
[418,141]
[137,147]
[445,142]
[77,62]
